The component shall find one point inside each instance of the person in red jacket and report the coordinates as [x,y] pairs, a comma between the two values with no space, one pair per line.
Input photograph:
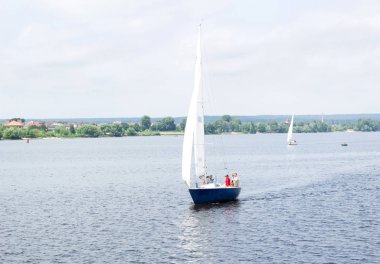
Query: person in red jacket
[227,181]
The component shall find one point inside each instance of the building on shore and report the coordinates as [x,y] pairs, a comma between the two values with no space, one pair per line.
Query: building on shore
[14,123]
[34,124]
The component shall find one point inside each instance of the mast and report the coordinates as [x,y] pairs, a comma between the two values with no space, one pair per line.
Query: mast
[199,137]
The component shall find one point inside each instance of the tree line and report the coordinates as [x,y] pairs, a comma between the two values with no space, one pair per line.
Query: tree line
[225,124]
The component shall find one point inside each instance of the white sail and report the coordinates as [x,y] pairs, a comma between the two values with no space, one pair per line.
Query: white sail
[187,149]
[290,131]
[194,131]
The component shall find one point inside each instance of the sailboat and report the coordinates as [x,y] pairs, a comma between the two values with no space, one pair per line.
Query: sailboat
[290,139]
[194,142]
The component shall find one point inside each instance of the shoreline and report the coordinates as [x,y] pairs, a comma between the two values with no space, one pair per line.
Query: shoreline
[176,134]
[16,128]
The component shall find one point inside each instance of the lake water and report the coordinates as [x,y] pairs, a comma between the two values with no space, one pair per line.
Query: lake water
[118,200]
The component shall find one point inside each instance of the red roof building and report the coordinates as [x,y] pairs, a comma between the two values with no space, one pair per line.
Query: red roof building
[33,123]
[14,123]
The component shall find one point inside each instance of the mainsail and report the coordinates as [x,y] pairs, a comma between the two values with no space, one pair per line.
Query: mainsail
[290,131]
[194,131]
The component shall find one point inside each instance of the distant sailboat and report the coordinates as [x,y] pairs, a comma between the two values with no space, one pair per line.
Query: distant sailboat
[194,138]
[290,139]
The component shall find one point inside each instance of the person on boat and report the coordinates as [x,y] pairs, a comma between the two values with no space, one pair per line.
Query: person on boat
[210,179]
[207,179]
[227,181]
[236,179]
[203,179]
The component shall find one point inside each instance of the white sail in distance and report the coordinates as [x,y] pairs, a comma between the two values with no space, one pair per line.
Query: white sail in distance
[290,131]
[194,131]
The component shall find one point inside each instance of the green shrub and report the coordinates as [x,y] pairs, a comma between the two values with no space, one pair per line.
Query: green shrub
[131,132]
[13,133]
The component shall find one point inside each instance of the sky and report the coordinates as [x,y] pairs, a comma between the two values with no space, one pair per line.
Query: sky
[121,58]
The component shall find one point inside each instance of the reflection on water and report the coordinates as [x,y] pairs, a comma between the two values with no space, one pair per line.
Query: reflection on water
[200,207]
[201,224]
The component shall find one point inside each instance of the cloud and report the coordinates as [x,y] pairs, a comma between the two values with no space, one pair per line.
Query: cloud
[129,58]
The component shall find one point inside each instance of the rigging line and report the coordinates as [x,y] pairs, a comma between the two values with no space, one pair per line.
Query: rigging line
[212,102]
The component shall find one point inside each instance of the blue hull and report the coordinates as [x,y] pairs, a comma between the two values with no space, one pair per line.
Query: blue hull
[214,195]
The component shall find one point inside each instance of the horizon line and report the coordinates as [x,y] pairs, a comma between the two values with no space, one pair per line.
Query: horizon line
[257,115]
